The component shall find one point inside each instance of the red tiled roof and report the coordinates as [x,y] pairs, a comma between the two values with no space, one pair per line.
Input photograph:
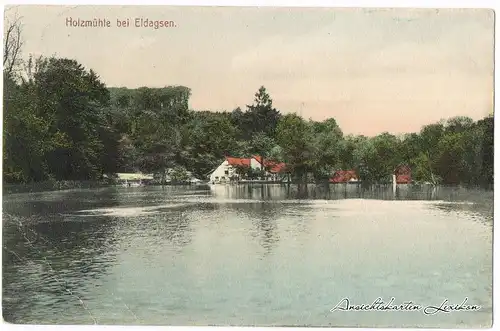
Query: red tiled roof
[343,176]
[403,179]
[402,170]
[272,166]
[275,167]
[403,174]
[236,161]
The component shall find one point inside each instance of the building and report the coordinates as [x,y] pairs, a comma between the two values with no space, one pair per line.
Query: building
[170,175]
[274,170]
[133,179]
[228,170]
[344,176]
[402,175]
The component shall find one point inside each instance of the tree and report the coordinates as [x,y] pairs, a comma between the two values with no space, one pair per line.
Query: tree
[458,124]
[294,136]
[179,175]
[450,162]
[241,122]
[377,157]
[262,116]
[410,147]
[423,169]
[430,136]
[261,145]
[486,151]
[61,122]
[13,44]
[26,136]
[74,103]
[211,137]
[327,138]
[347,151]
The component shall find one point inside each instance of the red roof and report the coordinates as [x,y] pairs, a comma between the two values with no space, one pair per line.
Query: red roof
[403,174]
[275,167]
[403,179]
[236,161]
[272,166]
[344,176]
[402,170]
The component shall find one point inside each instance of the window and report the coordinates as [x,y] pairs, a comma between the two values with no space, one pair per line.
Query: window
[216,177]
[226,172]
[222,178]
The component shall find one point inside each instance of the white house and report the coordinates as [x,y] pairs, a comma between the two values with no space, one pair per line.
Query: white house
[227,169]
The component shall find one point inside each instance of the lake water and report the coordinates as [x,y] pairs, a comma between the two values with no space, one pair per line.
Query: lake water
[247,255]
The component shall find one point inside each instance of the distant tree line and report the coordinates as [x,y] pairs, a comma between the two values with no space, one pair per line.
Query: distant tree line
[62,123]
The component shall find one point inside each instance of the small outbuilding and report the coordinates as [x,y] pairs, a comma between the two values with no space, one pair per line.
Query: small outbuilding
[402,175]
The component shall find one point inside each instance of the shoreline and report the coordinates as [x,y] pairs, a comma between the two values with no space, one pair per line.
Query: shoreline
[51,186]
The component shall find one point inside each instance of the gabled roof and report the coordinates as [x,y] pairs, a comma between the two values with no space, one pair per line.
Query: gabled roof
[272,166]
[258,158]
[275,167]
[402,169]
[235,161]
[403,174]
[403,179]
[342,176]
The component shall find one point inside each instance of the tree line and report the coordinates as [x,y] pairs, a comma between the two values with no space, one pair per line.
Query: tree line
[62,123]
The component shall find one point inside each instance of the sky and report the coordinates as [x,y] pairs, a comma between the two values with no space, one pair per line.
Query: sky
[372,70]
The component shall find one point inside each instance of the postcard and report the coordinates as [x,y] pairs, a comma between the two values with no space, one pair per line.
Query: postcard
[248,166]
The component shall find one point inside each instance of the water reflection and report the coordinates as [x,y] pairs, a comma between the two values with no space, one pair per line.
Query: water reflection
[263,216]
[174,227]
[59,257]
[482,212]
[52,203]
[249,254]
[350,191]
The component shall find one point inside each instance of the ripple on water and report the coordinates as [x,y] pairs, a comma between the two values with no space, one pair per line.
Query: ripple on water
[196,259]
[128,211]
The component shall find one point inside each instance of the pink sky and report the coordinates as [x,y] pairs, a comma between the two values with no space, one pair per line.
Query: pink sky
[372,70]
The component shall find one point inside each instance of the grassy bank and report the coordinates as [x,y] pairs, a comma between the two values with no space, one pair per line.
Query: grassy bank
[52,186]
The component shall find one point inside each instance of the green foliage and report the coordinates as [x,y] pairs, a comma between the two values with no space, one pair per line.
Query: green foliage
[326,146]
[261,116]
[62,123]
[179,175]
[255,173]
[486,150]
[295,136]
[249,172]
[56,124]
[261,145]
